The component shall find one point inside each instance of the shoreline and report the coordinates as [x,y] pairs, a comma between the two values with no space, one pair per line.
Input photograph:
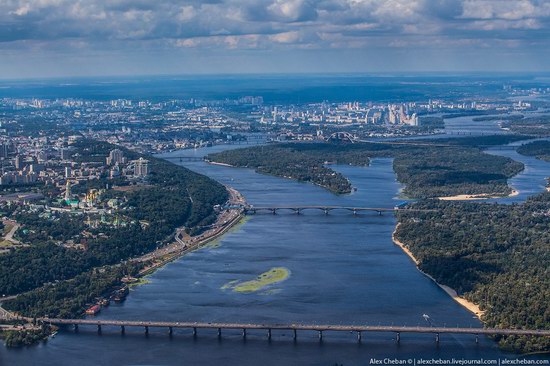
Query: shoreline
[468,305]
[287,177]
[217,163]
[179,248]
[474,197]
[176,254]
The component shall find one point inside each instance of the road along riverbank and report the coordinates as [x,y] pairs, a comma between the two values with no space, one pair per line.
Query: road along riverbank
[226,220]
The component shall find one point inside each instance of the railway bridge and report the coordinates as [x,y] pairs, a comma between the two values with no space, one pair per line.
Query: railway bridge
[194,327]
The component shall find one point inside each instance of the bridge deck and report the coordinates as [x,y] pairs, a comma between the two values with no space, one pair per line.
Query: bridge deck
[311,327]
[321,208]
[184,158]
[331,208]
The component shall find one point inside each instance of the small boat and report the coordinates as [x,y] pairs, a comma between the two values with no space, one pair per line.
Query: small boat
[105,302]
[120,295]
[93,310]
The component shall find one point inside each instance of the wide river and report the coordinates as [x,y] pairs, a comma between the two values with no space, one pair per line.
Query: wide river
[344,269]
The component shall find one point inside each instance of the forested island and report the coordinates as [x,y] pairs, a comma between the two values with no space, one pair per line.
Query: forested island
[536,126]
[429,168]
[57,278]
[494,255]
[538,149]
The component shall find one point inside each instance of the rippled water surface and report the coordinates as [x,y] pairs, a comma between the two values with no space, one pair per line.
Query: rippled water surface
[344,269]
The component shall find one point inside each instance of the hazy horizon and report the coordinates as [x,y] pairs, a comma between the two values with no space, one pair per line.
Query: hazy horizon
[535,75]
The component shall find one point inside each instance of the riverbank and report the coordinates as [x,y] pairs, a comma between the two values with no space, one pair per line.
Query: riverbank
[224,222]
[150,262]
[474,197]
[470,306]
[181,251]
[220,164]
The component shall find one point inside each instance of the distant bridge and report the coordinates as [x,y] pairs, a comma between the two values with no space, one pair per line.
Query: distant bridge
[499,147]
[183,158]
[434,144]
[342,136]
[244,327]
[326,209]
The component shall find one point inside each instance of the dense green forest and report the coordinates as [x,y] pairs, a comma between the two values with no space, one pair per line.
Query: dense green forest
[493,254]
[67,299]
[536,126]
[290,162]
[174,197]
[538,149]
[25,337]
[429,168]
[431,123]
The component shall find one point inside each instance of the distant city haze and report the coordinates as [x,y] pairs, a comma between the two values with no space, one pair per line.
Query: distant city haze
[65,38]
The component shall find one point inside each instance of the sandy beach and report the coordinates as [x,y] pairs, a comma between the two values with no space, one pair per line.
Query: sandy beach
[216,163]
[473,308]
[471,197]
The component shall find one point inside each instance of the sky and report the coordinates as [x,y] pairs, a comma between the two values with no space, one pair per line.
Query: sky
[62,38]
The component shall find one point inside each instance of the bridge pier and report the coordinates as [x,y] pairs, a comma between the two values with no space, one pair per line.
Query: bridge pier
[122,329]
[326,211]
[297,211]
[436,331]
[274,211]
[354,212]
[170,331]
[379,213]
[219,332]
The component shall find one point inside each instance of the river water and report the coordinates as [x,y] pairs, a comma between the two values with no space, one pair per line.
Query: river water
[344,269]
[532,180]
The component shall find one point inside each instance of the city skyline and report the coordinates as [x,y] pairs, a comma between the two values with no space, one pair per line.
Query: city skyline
[58,38]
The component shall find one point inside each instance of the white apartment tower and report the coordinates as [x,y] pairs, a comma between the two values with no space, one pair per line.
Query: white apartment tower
[141,167]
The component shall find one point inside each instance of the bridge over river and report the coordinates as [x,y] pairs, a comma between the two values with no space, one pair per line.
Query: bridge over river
[183,158]
[294,328]
[326,209]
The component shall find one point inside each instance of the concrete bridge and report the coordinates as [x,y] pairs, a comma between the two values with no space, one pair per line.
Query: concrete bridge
[326,209]
[183,158]
[294,328]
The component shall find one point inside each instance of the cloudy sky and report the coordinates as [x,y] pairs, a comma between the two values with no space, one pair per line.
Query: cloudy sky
[44,38]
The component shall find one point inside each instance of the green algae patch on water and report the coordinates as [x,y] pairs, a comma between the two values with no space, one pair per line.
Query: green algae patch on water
[271,277]
[230,284]
[139,282]
[217,243]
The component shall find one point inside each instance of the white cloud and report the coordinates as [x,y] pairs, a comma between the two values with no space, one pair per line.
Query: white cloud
[271,23]
[286,37]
